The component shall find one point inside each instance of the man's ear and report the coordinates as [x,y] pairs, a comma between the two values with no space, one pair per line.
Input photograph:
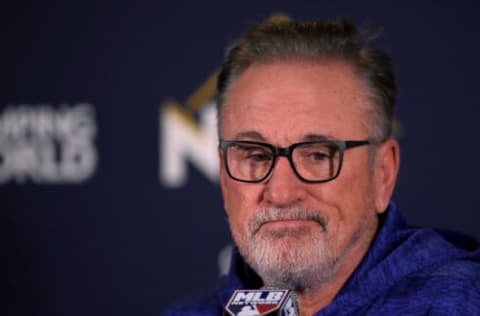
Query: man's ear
[387,164]
[221,169]
[221,172]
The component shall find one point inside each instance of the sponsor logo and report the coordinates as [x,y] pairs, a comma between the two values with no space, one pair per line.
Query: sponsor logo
[188,137]
[47,144]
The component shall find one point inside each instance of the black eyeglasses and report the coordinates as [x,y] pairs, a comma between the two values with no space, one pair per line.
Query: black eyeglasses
[313,162]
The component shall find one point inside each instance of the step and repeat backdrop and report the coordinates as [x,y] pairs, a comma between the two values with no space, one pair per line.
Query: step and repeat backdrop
[110,203]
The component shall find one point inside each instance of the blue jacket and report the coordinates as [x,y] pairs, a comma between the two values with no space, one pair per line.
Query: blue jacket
[407,271]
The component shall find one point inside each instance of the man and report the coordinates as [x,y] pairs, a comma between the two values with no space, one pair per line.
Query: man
[308,166]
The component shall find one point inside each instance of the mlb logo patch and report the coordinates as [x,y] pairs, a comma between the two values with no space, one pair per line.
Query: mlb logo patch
[255,302]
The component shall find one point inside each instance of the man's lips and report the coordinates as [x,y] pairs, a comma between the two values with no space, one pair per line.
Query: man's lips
[288,223]
[287,217]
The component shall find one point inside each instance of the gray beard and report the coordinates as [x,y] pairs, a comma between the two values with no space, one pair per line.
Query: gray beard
[299,258]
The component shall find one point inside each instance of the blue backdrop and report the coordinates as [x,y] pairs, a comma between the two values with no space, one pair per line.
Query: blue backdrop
[108,191]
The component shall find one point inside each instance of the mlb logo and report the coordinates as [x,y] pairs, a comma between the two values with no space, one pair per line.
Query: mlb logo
[255,302]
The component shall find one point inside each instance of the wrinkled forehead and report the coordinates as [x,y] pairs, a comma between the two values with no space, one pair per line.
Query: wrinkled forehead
[297,98]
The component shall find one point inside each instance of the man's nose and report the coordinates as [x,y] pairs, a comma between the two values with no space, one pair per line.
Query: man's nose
[283,187]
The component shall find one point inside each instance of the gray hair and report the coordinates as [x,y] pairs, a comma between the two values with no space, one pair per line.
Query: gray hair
[280,38]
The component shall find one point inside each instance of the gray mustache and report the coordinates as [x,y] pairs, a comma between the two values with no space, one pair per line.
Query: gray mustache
[269,214]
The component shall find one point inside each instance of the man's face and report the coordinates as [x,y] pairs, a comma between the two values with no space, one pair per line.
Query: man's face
[289,231]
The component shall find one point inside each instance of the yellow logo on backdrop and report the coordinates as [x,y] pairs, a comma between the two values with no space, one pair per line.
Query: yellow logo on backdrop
[185,140]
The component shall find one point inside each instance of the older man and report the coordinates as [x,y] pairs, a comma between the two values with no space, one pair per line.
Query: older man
[308,166]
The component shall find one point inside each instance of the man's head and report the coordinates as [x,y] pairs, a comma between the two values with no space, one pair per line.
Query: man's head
[279,38]
[303,219]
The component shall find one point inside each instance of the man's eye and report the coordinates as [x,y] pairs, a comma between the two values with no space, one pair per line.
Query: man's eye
[253,153]
[318,156]
[258,157]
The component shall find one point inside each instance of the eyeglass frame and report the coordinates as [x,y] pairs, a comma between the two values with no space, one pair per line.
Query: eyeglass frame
[287,152]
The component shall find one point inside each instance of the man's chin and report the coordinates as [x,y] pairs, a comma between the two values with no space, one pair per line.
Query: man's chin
[291,259]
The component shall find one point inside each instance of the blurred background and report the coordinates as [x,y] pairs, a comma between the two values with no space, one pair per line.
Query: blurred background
[109,198]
